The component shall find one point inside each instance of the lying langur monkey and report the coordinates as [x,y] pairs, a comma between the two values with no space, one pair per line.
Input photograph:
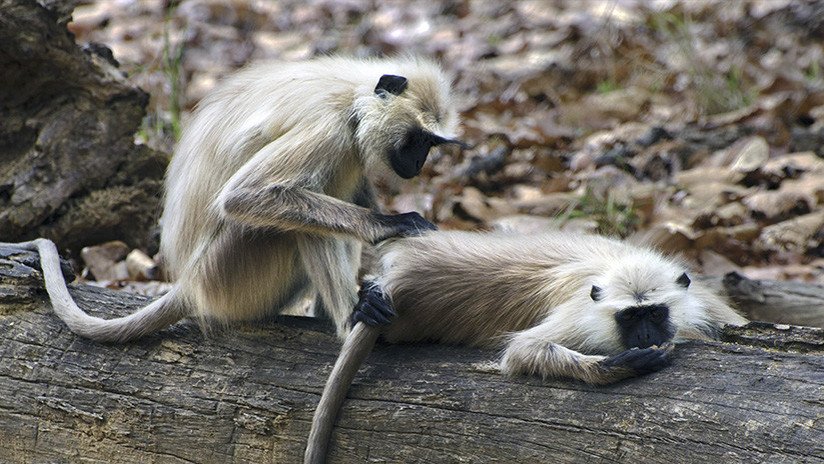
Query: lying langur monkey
[268,196]
[580,306]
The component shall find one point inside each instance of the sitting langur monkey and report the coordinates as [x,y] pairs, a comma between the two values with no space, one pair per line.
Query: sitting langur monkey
[260,197]
[580,306]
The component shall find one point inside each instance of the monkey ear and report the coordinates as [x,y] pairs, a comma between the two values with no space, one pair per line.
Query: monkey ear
[596,293]
[683,280]
[391,84]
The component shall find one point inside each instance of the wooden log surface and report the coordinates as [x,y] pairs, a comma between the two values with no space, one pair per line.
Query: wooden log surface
[248,394]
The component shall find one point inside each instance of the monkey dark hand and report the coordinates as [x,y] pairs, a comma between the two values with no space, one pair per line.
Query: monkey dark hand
[637,361]
[405,225]
[373,307]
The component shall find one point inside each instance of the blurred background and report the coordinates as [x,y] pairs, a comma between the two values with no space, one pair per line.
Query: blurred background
[694,125]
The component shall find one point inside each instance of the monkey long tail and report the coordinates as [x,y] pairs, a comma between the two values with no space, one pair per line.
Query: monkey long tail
[355,349]
[157,315]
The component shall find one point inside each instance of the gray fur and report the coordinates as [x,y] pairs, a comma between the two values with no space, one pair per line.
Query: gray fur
[530,296]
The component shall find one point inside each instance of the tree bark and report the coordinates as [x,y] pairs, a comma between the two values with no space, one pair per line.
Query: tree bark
[248,394]
[773,301]
[69,167]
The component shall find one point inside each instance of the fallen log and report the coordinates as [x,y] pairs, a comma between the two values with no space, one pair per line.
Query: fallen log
[247,395]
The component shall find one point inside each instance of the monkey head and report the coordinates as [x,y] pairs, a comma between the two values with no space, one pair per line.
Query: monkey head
[638,309]
[403,117]
[408,158]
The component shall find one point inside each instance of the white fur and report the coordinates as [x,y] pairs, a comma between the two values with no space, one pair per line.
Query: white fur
[258,206]
[474,288]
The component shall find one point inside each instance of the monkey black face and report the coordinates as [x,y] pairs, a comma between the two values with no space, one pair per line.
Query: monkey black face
[408,159]
[644,326]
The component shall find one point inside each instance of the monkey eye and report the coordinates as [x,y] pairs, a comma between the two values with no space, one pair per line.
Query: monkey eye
[596,293]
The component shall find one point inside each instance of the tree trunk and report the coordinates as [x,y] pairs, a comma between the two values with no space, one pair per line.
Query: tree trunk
[247,395]
[69,167]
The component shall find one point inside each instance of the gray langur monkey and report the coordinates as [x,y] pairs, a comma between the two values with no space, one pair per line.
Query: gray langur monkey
[260,194]
[560,304]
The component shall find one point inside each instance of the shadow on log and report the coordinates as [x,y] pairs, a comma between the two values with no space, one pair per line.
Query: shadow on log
[248,396]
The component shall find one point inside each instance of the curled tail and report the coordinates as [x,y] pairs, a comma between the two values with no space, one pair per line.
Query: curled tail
[157,315]
[355,349]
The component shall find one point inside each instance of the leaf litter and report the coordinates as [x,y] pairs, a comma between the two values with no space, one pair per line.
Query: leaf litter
[697,126]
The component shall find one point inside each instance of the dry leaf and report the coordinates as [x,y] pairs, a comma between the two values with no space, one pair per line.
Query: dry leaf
[476,205]
[749,155]
[712,195]
[794,234]
[551,204]
[669,237]
[776,205]
[731,214]
[105,261]
[141,267]
[714,263]
[794,163]
[703,175]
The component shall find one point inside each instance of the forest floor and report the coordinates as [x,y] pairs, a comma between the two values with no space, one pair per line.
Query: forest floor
[697,126]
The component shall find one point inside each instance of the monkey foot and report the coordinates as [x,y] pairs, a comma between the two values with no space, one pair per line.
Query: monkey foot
[373,308]
[640,361]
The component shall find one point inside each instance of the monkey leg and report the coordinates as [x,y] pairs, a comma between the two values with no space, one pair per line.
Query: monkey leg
[373,307]
[332,266]
[245,275]
[533,352]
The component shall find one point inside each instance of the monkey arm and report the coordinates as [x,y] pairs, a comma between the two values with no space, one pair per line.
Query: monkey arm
[284,183]
[533,352]
[297,208]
